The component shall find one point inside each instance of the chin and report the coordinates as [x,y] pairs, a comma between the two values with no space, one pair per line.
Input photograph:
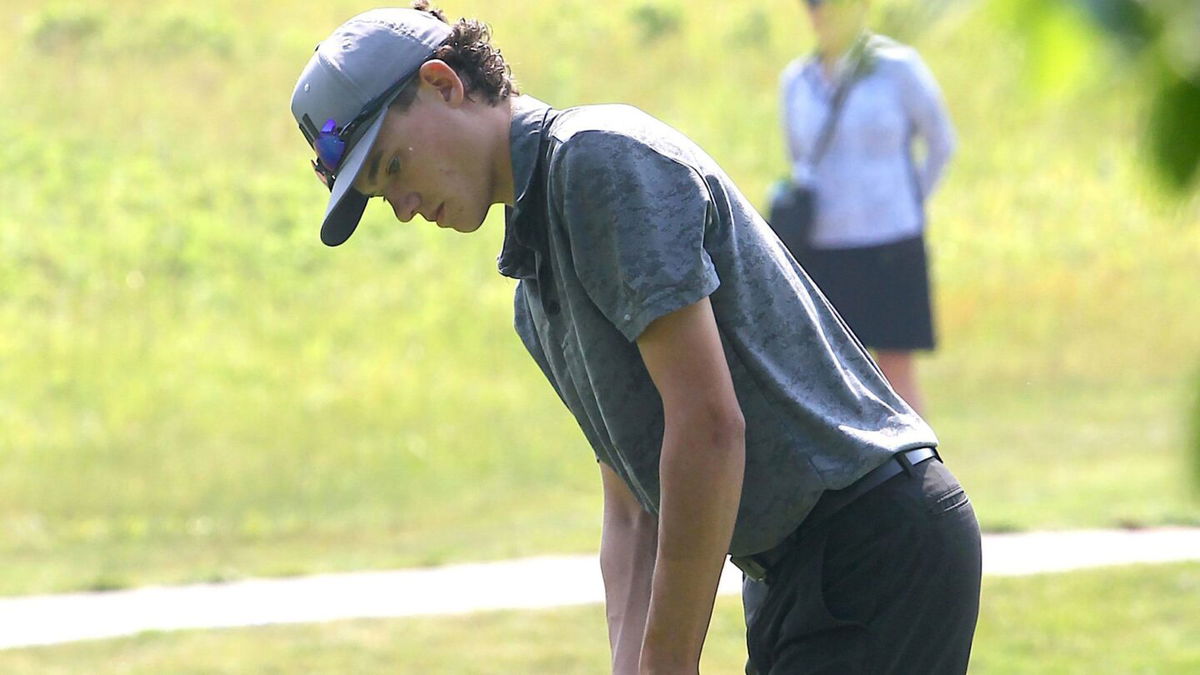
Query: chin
[471,225]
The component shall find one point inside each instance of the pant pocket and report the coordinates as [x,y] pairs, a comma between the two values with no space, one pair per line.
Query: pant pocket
[942,491]
[792,615]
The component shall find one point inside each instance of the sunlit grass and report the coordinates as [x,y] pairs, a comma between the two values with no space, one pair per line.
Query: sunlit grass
[192,387]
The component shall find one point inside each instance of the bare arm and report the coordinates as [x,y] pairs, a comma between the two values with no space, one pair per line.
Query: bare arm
[700,472]
[627,565]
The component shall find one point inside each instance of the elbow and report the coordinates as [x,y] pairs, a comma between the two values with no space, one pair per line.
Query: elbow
[628,535]
[721,427]
[729,438]
[949,143]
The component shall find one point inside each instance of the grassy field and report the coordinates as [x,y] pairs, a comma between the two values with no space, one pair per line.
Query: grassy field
[1120,620]
[193,388]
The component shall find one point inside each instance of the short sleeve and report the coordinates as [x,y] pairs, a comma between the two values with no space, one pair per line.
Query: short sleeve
[636,219]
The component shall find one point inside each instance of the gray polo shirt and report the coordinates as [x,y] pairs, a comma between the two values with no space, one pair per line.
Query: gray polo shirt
[625,220]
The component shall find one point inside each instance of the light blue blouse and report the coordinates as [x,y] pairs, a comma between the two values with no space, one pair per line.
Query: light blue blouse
[870,184]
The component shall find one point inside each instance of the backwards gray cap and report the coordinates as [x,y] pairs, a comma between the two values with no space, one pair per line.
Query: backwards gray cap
[354,75]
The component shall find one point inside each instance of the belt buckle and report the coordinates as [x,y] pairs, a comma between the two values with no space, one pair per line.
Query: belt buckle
[923,454]
[750,566]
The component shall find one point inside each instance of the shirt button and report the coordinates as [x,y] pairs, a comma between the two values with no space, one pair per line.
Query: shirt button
[552,308]
[628,317]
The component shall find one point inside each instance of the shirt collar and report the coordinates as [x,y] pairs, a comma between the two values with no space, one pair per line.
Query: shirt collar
[523,231]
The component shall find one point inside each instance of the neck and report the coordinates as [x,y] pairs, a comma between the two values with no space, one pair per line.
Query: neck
[834,49]
[503,191]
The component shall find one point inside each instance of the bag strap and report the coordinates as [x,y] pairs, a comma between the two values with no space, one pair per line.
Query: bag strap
[839,98]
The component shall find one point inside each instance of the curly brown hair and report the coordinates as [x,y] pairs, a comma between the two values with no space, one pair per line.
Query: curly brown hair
[470,53]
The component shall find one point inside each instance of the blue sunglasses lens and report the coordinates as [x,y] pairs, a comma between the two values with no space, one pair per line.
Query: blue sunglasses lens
[330,147]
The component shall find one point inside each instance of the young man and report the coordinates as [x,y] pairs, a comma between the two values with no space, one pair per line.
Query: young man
[730,409]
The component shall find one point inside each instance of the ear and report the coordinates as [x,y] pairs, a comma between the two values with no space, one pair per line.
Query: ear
[438,77]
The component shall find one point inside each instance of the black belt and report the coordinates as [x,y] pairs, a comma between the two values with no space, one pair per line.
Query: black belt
[758,565]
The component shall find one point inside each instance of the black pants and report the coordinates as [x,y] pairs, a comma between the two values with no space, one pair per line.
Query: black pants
[888,584]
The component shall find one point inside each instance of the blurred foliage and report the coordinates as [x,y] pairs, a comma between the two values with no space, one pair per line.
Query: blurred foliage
[170,32]
[655,20]
[906,20]
[58,27]
[1073,44]
[1155,42]
[1195,437]
[1163,39]
[1158,42]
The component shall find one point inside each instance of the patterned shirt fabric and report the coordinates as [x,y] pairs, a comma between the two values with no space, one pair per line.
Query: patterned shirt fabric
[619,220]
[870,188]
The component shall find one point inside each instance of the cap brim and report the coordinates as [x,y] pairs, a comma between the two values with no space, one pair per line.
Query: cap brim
[346,205]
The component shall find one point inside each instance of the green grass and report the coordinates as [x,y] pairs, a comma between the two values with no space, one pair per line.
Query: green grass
[193,388]
[1138,619]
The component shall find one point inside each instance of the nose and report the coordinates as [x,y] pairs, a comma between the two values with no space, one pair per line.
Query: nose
[404,204]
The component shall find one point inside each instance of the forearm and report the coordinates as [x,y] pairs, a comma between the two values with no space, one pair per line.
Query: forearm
[627,549]
[923,103]
[939,148]
[701,484]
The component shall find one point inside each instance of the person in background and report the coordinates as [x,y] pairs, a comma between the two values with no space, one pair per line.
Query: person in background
[866,246]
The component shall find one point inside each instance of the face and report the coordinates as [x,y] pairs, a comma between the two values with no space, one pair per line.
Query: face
[836,22]
[428,160]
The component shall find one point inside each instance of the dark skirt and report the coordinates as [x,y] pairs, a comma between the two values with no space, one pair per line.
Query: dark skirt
[882,291]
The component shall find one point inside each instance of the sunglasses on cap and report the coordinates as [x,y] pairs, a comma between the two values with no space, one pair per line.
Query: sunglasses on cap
[332,140]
